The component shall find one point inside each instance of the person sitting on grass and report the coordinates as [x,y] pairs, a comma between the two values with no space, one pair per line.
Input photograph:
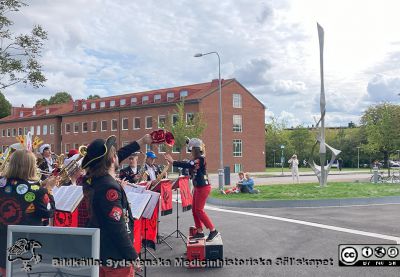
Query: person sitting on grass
[247,185]
[238,185]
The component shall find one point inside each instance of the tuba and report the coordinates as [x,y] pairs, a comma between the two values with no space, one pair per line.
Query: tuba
[5,158]
[70,169]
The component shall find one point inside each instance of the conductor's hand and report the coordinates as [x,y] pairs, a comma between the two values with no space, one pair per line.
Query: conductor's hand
[146,139]
[168,158]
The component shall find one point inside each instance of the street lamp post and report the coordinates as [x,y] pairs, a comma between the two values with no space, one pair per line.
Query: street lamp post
[221,162]
[282,158]
[358,156]
[273,150]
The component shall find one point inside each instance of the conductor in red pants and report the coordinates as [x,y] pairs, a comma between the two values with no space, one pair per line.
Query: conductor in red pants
[198,174]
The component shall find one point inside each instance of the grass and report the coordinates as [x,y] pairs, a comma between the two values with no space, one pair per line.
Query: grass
[313,191]
[308,169]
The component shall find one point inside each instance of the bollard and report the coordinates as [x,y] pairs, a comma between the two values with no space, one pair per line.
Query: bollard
[375,169]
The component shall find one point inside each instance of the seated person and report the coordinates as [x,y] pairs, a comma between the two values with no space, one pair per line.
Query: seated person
[238,185]
[247,185]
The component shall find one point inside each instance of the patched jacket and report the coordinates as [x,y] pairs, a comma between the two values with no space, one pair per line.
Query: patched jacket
[197,171]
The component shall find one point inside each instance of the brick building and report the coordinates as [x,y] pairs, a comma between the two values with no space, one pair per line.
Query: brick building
[132,115]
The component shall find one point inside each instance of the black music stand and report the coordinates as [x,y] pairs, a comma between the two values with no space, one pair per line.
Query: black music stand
[177,231]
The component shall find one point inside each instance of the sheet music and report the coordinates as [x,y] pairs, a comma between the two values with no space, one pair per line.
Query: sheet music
[134,188]
[155,196]
[138,202]
[67,198]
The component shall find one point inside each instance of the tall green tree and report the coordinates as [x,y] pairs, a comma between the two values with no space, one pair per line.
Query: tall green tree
[5,106]
[275,136]
[19,53]
[301,142]
[94,96]
[42,102]
[60,97]
[381,124]
[182,128]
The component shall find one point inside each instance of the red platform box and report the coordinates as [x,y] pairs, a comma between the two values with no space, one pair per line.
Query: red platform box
[196,252]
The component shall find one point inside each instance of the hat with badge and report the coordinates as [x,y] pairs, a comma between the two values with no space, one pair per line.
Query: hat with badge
[97,150]
[44,147]
[194,142]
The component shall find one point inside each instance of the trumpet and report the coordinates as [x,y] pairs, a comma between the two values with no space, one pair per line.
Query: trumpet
[69,170]
[5,159]
[142,173]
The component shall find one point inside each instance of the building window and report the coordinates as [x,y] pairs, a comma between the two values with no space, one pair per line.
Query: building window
[34,112]
[112,103]
[183,94]
[170,96]
[94,126]
[114,125]
[76,127]
[104,125]
[237,123]
[122,102]
[67,128]
[125,143]
[32,130]
[237,148]
[67,147]
[237,100]
[44,130]
[189,119]
[148,148]
[14,132]
[133,101]
[145,99]
[51,129]
[102,104]
[38,130]
[84,127]
[8,133]
[19,131]
[136,123]
[174,119]
[25,130]
[47,110]
[176,149]
[84,106]
[93,105]
[161,121]
[76,146]
[162,148]
[149,122]
[3,134]
[157,98]
[238,168]
[21,114]
[125,124]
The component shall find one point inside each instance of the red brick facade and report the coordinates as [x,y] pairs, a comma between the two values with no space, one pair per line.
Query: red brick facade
[79,122]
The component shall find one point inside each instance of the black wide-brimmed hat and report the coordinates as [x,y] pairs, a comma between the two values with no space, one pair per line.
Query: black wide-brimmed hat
[97,150]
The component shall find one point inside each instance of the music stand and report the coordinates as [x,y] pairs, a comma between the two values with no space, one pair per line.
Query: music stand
[177,231]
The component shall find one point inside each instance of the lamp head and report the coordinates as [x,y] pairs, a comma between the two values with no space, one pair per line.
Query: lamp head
[198,55]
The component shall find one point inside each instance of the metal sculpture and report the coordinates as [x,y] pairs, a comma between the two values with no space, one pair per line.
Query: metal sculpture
[322,171]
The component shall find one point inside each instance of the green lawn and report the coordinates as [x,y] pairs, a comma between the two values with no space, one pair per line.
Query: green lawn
[312,191]
[307,169]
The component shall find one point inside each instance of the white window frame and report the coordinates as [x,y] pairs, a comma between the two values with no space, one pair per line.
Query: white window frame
[122,102]
[187,121]
[38,130]
[93,105]
[33,112]
[148,148]
[77,124]
[14,132]
[237,168]
[237,154]
[51,129]
[183,94]
[87,127]
[240,129]
[146,122]
[170,96]
[21,114]
[33,130]
[65,128]
[91,126]
[133,100]
[101,126]
[84,106]
[112,103]
[172,118]
[102,104]
[134,123]
[112,129]
[160,146]
[157,98]
[165,120]
[127,124]
[145,99]
[174,149]
[237,100]
[44,130]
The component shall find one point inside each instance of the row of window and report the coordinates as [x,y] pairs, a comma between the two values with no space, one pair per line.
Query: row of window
[40,130]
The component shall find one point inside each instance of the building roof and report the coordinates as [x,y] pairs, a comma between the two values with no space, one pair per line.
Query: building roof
[152,97]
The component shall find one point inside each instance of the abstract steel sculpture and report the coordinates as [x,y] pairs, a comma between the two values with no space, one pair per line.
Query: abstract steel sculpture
[322,171]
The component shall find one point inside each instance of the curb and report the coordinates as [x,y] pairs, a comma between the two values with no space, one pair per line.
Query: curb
[303,203]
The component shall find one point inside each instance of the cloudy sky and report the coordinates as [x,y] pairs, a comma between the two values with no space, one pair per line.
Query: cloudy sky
[109,47]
